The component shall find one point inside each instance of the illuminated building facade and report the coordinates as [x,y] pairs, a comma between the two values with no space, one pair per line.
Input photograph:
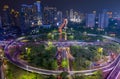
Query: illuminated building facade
[75,16]
[71,14]
[37,4]
[59,17]
[103,19]
[50,15]
[6,16]
[67,14]
[31,16]
[90,20]
[9,18]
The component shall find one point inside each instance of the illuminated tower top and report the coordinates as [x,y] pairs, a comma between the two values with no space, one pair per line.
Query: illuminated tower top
[38,4]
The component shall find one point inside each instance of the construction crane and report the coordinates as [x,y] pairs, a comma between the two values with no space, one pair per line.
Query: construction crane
[64,24]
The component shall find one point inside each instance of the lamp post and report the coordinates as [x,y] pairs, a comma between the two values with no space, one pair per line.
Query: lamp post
[2,64]
[26,49]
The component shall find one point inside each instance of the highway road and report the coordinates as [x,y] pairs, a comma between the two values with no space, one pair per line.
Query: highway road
[115,72]
[24,66]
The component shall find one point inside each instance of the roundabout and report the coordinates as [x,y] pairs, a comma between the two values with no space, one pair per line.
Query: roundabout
[16,61]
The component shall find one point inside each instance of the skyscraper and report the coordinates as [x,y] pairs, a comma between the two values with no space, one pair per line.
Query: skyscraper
[6,17]
[59,17]
[37,4]
[67,14]
[103,19]
[31,16]
[75,16]
[90,20]
[50,15]
[26,17]
[32,13]
[71,14]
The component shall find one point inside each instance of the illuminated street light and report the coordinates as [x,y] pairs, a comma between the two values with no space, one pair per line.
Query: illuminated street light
[26,49]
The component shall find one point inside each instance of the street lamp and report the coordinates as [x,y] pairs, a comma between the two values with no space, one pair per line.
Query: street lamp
[26,49]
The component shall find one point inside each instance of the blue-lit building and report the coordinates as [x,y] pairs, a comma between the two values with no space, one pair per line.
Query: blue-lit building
[103,19]
[50,15]
[71,14]
[90,20]
[31,16]
[38,15]
[75,16]
[25,17]
[59,17]
[6,19]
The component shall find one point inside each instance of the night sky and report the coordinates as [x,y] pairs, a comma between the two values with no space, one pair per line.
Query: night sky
[81,5]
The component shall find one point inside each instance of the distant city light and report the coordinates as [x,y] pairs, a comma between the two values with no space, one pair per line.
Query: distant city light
[58,23]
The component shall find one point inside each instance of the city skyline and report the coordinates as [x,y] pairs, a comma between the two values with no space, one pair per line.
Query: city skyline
[59,39]
[79,5]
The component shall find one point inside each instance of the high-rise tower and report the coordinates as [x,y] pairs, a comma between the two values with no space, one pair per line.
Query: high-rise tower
[71,14]
[90,20]
[39,12]
[7,17]
[50,15]
[59,17]
[103,19]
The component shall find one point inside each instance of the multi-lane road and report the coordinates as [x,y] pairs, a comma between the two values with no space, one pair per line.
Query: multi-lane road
[115,72]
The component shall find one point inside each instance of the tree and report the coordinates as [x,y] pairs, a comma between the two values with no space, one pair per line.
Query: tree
[65,63]
[71,37]
[64,75]
[79,76]
[49,36]
[51,77]
[54,64]
[98,74]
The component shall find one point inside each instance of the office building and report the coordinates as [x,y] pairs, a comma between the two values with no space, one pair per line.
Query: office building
[50,15]
[71,14]
[75,16]
[67,14]
[38,15]
[59,18]
[103,19]
[6,16]
[31,16]
[90,20]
